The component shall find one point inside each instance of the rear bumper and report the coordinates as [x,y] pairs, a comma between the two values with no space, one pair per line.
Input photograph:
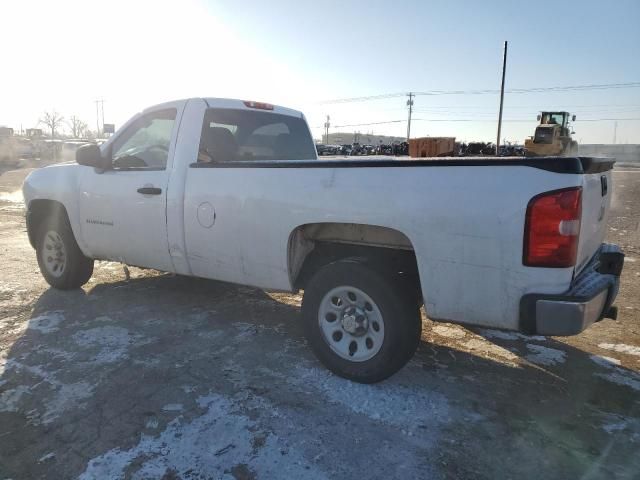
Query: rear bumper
[589,299]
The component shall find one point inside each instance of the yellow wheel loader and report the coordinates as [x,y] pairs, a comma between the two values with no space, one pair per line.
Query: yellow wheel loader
[552,136]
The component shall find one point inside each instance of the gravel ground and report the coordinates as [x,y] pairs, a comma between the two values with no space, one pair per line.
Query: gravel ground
[169,377]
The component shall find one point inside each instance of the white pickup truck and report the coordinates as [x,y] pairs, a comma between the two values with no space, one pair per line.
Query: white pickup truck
[233,190]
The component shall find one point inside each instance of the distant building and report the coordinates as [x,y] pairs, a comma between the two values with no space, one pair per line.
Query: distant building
[34,132]
[6,132]
[340,138]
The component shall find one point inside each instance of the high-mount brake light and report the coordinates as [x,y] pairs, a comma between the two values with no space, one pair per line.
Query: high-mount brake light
[552,229]
[258,105]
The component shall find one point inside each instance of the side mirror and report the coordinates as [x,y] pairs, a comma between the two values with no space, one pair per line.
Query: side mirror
[573,119]
[90,156]
[539,117]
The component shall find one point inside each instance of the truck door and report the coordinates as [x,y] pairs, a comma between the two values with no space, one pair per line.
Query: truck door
[123,210]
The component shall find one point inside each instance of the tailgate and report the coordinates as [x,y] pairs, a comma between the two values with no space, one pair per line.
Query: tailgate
[596,200]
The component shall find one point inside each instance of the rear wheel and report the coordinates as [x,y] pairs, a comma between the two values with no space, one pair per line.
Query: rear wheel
[61,262]
[361,323]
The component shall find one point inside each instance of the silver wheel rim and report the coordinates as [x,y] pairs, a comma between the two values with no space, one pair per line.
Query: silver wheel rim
[54,255]
[351,323]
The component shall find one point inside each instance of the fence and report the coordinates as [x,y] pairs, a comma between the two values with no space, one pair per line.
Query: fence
[628,154]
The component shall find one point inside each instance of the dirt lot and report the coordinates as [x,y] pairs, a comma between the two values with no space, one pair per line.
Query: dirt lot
[167,377]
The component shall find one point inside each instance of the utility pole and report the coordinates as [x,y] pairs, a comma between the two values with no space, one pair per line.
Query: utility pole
[615,131]
[102,108]
[97,120]
[410,105]
[99,102]
[504,69]
[326,130]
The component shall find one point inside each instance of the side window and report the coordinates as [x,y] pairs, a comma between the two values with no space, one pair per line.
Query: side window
[145,143]
[247,135]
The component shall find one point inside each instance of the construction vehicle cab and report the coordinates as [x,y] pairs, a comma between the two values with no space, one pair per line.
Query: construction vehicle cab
[552,136]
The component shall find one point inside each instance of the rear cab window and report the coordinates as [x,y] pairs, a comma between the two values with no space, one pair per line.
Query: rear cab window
[230,135]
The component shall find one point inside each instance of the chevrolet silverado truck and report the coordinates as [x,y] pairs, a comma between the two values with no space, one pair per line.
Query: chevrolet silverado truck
[234,191]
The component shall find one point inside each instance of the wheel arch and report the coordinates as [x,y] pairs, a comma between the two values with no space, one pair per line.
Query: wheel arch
[313,245]
[37,211]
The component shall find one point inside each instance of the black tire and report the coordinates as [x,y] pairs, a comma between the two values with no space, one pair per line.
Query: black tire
[396,303]
[77,269]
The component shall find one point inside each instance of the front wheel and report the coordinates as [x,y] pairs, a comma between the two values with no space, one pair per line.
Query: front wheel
[61,262]
[361,324]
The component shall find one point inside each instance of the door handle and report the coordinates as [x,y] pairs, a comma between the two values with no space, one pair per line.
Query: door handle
[150,190]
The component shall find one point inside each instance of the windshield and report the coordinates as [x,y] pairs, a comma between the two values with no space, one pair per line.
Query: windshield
[553,118]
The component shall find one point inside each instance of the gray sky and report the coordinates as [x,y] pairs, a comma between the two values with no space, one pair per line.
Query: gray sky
[66,54]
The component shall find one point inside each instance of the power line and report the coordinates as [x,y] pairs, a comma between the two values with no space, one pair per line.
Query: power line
[603,86]
[521,120]
[366,124]
[508,120]
[478,109]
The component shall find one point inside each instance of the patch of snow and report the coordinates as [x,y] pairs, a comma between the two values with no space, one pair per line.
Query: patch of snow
[544,355]
[449,331]
[614,427]
[404,406]
[60,396]
[152,423]
[48,456]
[112,341]
[621,348]
[57,353]
[103,318]
[66,397]
[173,407]
[247,330]
[505,335]
[207,446]
[35,370]
[9,399]
[604,361]
[621,377]
[47,322]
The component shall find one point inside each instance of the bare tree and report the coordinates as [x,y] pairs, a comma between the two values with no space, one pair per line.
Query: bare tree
[77,126]
[53,120]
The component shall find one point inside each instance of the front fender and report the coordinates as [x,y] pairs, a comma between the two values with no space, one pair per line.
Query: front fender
[58,184]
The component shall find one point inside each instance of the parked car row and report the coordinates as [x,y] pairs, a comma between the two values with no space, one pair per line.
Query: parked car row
[357,149]
[488,148]
[462,149]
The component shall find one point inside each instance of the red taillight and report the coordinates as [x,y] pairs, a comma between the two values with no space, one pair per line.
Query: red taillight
[259,105]
[552,228]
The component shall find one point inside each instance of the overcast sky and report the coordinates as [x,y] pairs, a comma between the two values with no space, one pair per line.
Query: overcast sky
[65,54]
